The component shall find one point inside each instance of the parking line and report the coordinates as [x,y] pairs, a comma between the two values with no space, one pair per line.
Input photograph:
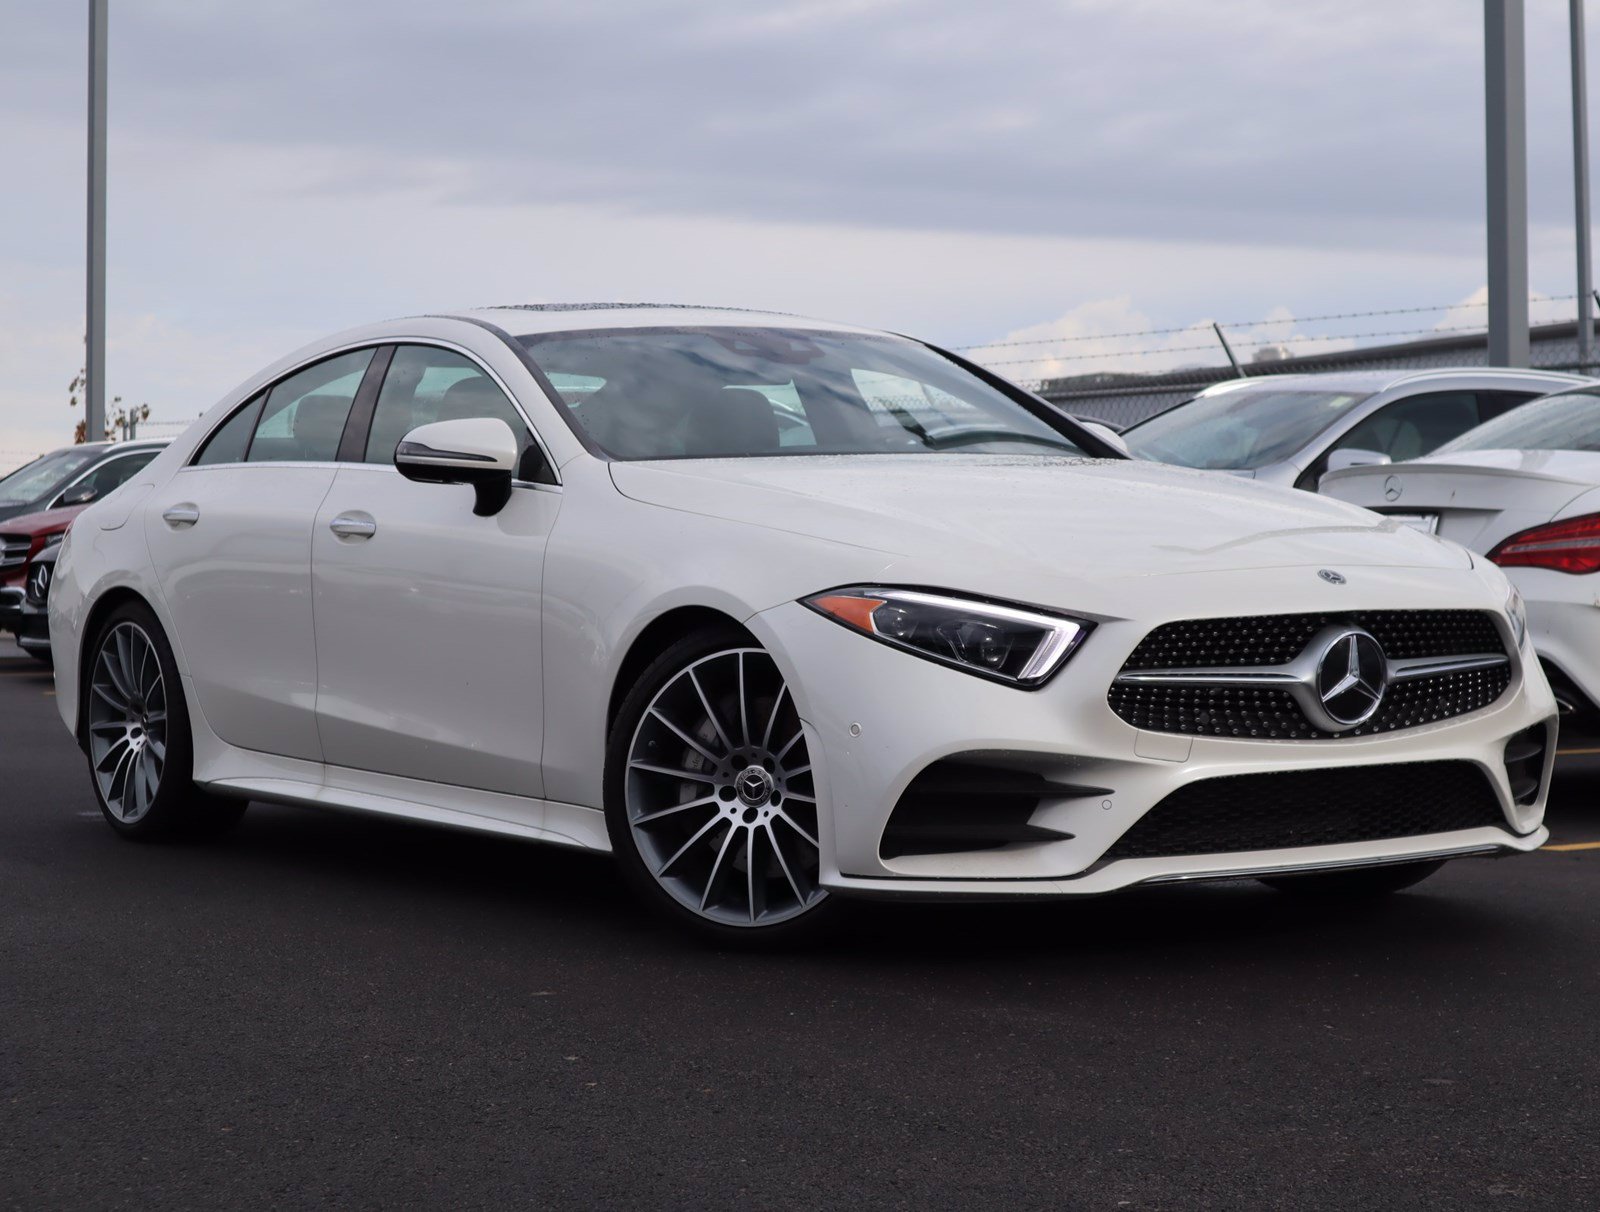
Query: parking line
[1575,752]
[1574,846]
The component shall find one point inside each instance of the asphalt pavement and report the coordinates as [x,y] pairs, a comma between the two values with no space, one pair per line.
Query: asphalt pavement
[332,1011]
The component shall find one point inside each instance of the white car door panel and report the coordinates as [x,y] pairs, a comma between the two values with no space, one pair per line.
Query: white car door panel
[428,630]
[231,545]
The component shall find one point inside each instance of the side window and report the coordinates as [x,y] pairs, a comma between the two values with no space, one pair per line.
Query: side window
[426,384]
[231,439]
[118,472]
[1414,426]
[1492,404]
[304,415]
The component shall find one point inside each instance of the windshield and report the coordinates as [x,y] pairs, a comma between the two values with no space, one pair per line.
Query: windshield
[45,476]
[674,393]
[1570,421]
[1242,428]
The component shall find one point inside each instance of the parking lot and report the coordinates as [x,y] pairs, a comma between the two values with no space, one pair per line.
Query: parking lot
[329,1010]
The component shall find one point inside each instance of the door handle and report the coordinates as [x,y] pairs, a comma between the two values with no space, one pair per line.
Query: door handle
[355,525]
[180,517]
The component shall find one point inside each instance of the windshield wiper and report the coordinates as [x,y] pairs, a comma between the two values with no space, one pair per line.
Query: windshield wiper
[965,437]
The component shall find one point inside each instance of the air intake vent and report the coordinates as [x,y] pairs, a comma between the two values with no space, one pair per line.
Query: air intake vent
[1525,763]
[1288,809]
[965,804]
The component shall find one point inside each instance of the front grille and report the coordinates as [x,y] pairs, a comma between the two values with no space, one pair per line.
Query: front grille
[1288,809]
[1266,713]
[1274,639]
[14,549]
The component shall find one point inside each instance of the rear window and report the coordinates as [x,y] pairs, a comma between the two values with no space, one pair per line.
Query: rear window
[1570,421]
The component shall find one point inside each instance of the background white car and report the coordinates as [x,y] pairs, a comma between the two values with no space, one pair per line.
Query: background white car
[1291,429]
[779,611]
[1525,491]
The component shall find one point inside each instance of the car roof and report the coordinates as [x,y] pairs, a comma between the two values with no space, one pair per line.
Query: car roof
[114,447]
[526,318]
[1382,380]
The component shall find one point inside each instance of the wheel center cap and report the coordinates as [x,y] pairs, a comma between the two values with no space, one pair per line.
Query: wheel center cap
[754,785]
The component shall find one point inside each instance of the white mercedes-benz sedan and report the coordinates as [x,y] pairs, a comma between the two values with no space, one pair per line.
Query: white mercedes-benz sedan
[780,612]
[1524,490]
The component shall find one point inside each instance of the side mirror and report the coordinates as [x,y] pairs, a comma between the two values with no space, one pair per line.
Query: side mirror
[1107,435]
[78,494]
[481,451]
[1354,456]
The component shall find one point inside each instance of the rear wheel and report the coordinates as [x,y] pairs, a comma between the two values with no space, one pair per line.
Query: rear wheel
[141,753]
[1357,884]
[710,799]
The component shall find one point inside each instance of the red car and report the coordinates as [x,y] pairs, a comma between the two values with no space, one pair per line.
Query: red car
[39,499]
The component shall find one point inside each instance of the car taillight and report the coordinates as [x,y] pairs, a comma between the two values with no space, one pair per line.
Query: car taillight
[1569,546]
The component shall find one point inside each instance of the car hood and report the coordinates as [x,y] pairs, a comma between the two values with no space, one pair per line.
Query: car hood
[1106,518]
[42,522]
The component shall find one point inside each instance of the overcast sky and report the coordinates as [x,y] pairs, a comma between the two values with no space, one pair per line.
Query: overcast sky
[967,172]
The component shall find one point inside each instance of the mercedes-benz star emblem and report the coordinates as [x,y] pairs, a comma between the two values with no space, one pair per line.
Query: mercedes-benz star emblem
[754,785]
[1392,488]
[1330,576]
[1352,675]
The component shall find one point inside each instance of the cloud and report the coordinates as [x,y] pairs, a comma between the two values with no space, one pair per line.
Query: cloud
[936,167]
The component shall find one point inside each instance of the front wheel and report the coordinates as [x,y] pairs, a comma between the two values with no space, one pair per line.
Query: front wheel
[711,803]
[1360,883]
[141,754]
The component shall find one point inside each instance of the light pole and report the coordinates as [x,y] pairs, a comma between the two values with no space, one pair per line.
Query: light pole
[1505,112]
[94,354]
[1580,183]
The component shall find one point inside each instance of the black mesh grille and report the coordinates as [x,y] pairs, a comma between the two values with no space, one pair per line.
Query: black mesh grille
[1313,808]
[1275,639]
[1264,713]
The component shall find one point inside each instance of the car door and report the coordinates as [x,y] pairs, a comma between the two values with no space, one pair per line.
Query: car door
[428,616]
[230,539]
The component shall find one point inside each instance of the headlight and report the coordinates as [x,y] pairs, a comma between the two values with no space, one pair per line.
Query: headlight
[1007,643]
[1517,613]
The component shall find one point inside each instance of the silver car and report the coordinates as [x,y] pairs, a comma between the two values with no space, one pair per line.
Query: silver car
[1291,429]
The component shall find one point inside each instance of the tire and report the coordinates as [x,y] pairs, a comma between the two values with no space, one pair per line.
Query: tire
[1361,883]
[729,850]
[141,751]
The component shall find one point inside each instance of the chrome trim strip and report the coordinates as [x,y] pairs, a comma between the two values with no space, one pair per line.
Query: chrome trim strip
[1238,675]
[1427,667]
[1389,860]
[1285,675]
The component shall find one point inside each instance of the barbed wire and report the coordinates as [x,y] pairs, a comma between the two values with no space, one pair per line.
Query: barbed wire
[1212,345]
[1203,325]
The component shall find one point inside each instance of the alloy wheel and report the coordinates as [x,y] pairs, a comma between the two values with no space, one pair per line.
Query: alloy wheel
[720,796]
[127,722]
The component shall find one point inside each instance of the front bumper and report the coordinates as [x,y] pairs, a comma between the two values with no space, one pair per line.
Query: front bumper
[11,599]
[877,717]
[33,630]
